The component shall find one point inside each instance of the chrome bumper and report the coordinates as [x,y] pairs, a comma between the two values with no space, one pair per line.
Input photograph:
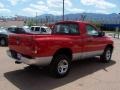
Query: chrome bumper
[42,61]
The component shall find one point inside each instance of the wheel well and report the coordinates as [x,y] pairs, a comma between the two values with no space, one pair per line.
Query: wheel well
[110,46]
[65,51]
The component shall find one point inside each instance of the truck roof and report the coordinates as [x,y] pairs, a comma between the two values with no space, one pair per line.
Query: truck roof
[74,22]
[40,26]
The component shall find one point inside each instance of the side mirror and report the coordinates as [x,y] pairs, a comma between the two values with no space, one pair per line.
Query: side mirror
[101,33]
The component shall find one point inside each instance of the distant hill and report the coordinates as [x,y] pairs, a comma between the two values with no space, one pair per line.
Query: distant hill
[103,18]
[93,17]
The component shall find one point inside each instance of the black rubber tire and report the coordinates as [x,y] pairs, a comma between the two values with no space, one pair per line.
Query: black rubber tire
[54,66]
[5,42]
[103,58]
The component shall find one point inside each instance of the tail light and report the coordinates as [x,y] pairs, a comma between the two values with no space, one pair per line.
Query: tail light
[34,46]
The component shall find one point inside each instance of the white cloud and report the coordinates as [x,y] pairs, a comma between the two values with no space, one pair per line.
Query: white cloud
[51,7]
[41,2]
[40,8]
[14,2]
[58,3]
[1,5]
[3,9]
[101,11]
[101,4]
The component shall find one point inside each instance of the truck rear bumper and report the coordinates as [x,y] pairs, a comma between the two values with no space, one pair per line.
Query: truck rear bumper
[42,61]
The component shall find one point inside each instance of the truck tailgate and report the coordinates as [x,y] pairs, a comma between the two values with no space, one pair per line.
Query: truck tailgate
[21,43]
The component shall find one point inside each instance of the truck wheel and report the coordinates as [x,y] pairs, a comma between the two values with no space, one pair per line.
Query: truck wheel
[3,42]
[60,66]
[106,57]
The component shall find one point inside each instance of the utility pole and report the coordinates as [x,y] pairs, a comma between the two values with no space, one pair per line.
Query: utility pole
[83,17]
[117,30]
[47,19]
[119,26]
[36,18]
[63,9]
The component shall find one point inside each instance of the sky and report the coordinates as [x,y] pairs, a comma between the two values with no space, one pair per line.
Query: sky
[30,7]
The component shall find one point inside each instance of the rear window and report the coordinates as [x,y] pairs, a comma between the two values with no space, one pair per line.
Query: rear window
[66,29]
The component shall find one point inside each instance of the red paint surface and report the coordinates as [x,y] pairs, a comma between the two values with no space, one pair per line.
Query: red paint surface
[47,45]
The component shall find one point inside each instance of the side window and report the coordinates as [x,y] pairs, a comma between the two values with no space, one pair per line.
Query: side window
[37,29]
[43,30]
[91,30]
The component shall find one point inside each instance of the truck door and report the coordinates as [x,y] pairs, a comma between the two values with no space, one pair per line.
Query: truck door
[70,35]
[94,45]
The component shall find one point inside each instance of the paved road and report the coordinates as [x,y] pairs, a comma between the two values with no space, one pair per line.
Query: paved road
[85,75]
[113,35]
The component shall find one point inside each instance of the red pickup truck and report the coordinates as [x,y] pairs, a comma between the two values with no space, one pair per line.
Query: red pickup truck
[69,41]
